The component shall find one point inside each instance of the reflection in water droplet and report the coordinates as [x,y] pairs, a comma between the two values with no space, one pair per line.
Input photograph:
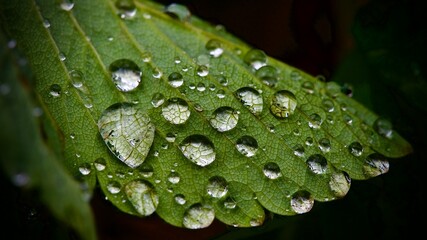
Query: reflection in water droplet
[355,148]
[201,87]
[222,80]
[283,104]
[340,184]
[315,121]
[308,87]
[67,5]
[317,163]
[180,199]
[198,149]
[125,74]
[255,58]
[251,99]
[174,177]
[198,216]
[202,71]
[268,75]
[76,78]
[175,79]
[217,187]
[114,187]
[55,90]
[298,150]
[126,8]
[178,11]
[85,169]
[328,105]
[157,100]
[46,23]
[230,203]
[214,47]
[224,119]
[271,170]
[146,170]
[383,127]
[324,145]
[100,164]
[247,146]
[309,141]
[302,202]
[142,196]
[128,132]
[375,164]
[176,111]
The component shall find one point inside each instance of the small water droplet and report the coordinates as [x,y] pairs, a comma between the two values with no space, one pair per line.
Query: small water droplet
[383,127]
[251,99]
[255,58]
[295,75]
[178,11]
[220,94]
[175,79]
[201,87]
[271,170]
[315,121]
[198,216]
[309,141]
[224,119]
[85,169]
[170,137]
[302,202]
[128,132]
[268,75]
[198,149]
[283,104]
[146,16]
[308,87]
[230,203]
[202,71]
[67,5]
[62,56]
[217,187]
[100,164]
[146,57]
[125,74]
[375,164]
[142,196]
[46,23]
[247,146]
[203,60]
[325,145]
[347,119]
[157,100]
[198,107]
[174,178]
[328,105]
[340,184]
[146,170]
[298,150]
[126,8]
[214,47]
[114,187]
[180,199]
[317,163]
[76,78]
[222,80]
[356,149]
[176,111]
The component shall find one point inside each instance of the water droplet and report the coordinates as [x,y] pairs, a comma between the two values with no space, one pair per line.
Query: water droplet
[67,5]
[328,105]
[201,87]
[178,11]
[315,121]
[340,184]
[247,146]
[203,60]
[268,75]
[251,99]
[142,196]
[125,74]
[126,8]
[170,137]
[224,119]
[146,57]
[55,90]
[114,187]
[146,16]
[324,145]
[230,203]
[202,71]
[214,47]
[198,107]
[175,79]
[176,111]
[308,87]
[62,56]
[198,216]
[157,100]
[317,163]
[174,178]
[347,119]
[128,132]
[76,78]
[220,94]
[355,148]
[309,141]
[383,127]
[302,202]
[212,87]
[46,23]
[272,170]
[198,149]
[100,164]
[222,80]
[256,222]
[298,150]
[146,170]
[85,169]
[255,58]
[283,104]
[295,75]
[375,164]
[180,199]
[217,187]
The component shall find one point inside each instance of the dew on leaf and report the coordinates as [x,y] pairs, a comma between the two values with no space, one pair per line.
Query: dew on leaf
[174,177]
[214,47]
[347,119]
[295,75]
[76,78]
[146,57]
[114,187]
[178,11]
[308,87]
[375,164]
[283,104]
[157,100]
[222,80]
[383,127]
[128,132]
[202,71]
[198,149]
[176,111]
[100,164]
[268,75]
[217,187]
[309,141]
[255,58]
[126,8]
[62,56]
[298,150]
[224,119]
[175,79]
[355,148]
[328,105]
[142,196]
[46,23]
[170,137]
[247,146]
[314,121]
[271,170]
[198,216]
[146,170]
[85,169]
[157,74]
[317,164]
[230,203]
[67,5]
[125,74]
[55,90]
[251,99]
[302,202]
[180,199]
[201,87]
[340,184]
[324,145]
[220,94]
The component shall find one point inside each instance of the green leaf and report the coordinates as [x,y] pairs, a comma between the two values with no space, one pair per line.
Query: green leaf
[236,132]
[28,162]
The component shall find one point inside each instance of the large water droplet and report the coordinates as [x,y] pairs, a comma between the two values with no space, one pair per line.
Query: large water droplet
[214,47]
[180,199]
[142,196]
[375,164]
[217,187]
[302,202]
[283,104]
[55,90]
[247,146]
[271,170]
[178,11]
[176,111]
[198,149]
[251,99]
[175,79]
[317,163]
[383,127]
[355,148]
[100,164]
[340,184]
[128,132]
[224,119]
[76,78]
[198,216]
[174,177]
[67,5]
[268,75]
[256,58]
[85,169]
[125,74]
